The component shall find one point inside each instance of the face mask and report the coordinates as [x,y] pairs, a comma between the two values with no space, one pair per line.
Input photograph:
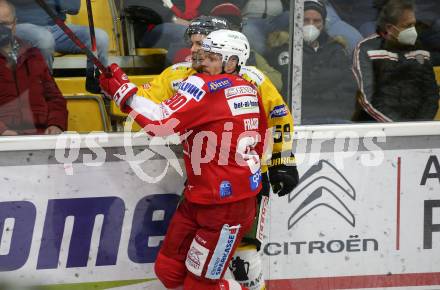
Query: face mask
[5,35]
[408,36]
[311,33]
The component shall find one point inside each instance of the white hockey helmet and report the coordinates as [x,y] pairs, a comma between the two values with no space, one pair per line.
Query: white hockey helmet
[228,43]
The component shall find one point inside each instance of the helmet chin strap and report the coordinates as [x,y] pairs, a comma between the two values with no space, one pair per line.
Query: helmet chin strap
[223,67]
[237,68]
[198,63]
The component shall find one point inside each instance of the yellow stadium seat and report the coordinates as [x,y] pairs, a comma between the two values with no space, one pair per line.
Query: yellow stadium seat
[437,74]
[86,111]
[87,114]
[150,51]
[72,85]
[75,87]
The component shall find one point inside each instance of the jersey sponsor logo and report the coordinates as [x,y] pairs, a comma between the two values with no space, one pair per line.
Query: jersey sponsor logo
[175,84]
[278,111]
[146,86]
[243,105]
[223,249]
[225,189]
[252,75]
[176,102]
[239,91]
[264,205]
[196,258]
[250,124]
[255,180]
[191,90]
[219,84]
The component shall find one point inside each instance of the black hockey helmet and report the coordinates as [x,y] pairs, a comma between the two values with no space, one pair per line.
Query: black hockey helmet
[205,25]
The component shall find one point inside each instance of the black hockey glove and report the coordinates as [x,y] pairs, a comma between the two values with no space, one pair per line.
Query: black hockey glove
[283,174]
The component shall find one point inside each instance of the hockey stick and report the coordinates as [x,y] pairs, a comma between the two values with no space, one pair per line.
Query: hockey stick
[91,25]
[73,37]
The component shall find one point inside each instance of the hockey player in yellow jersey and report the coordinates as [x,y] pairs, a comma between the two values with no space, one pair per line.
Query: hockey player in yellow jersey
[280,173]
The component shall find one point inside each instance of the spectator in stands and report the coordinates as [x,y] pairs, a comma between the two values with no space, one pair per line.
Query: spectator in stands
[30,101]
[278,56]
[36,27]
[278,115]
[233,22]
[428,25]
[168,34]
[260,17]
[233,16]
[336,26]
[190,10]
[328,87]
[395,75]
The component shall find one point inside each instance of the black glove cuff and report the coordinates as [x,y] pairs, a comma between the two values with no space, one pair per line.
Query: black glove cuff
[282,158]
[283,173]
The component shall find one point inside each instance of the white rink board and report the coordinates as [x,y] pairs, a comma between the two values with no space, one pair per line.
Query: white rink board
[345,200]
[48,182]
[395,243]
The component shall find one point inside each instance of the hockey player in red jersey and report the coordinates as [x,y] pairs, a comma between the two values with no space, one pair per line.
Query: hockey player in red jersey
[280,171]
[222,117]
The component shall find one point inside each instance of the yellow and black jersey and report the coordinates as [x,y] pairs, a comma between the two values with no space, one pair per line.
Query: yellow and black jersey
[166,84]
[278,114]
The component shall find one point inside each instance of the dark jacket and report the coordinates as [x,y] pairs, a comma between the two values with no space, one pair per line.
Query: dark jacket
[396,83]
[28,11]
[30,100]
[328,86]
[358,12]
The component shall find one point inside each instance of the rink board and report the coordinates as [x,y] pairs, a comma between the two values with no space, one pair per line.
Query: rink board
[366,214]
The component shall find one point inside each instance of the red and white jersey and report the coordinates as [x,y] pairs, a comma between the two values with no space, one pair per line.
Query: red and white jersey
[225,125]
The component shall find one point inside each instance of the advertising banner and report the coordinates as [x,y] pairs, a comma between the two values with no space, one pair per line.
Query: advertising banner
[90,212]
[360,218]
[89,223]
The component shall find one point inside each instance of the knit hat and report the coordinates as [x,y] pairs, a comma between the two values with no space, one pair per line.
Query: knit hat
[317,5]
[230,12]
[182,55]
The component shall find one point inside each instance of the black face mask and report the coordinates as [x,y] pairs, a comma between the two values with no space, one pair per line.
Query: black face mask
[5,35]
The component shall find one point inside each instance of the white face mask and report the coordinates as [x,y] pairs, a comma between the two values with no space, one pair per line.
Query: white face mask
[408,36]
[310,32]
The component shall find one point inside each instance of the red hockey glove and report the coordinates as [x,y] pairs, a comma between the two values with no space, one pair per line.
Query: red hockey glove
[117,86]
